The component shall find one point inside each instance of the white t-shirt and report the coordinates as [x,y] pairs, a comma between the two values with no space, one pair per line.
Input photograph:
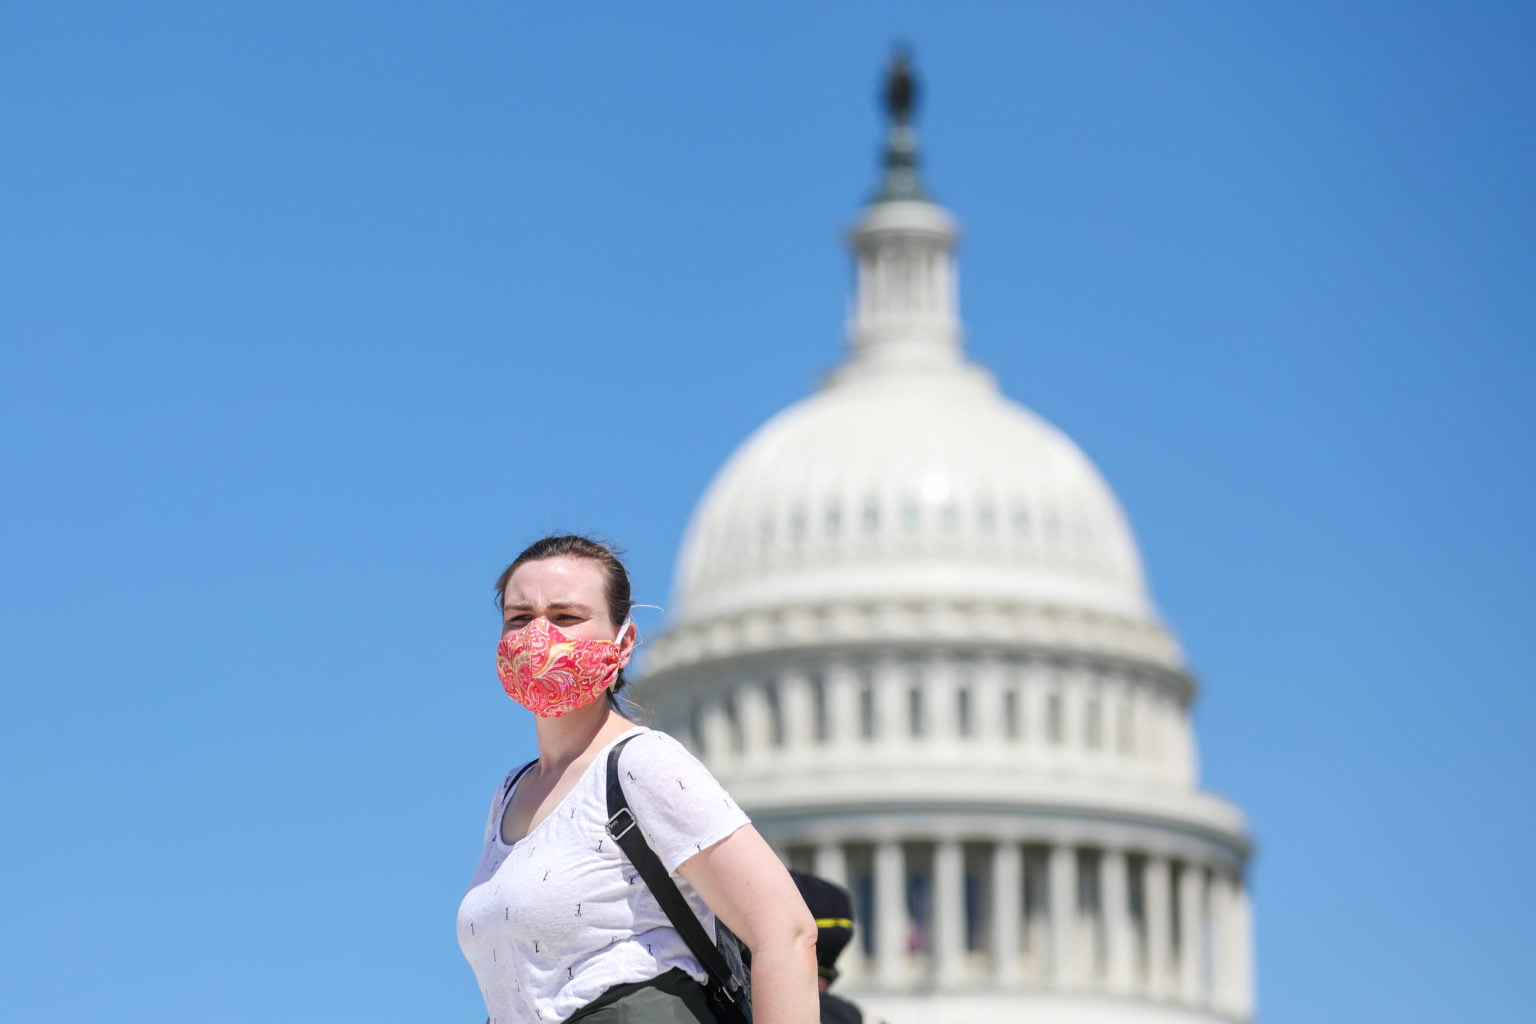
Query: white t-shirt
[554,920]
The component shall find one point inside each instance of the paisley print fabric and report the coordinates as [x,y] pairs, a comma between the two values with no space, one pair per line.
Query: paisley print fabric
[552,674]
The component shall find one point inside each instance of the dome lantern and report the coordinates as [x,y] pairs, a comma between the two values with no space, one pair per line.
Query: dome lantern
[905,311]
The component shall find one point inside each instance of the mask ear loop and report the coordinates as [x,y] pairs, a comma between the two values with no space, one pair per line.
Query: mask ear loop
[629,622]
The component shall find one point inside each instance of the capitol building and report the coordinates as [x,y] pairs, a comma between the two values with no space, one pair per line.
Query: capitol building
[912,635]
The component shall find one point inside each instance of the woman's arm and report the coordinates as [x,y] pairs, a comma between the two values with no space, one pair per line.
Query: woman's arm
[744,883]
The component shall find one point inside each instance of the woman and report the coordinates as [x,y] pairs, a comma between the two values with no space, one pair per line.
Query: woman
[556,923]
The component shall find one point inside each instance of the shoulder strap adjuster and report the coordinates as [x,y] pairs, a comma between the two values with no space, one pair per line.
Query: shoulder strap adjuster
[619,830]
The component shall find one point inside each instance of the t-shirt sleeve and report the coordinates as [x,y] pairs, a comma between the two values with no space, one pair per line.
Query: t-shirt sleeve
[680,807]
[490,816]
[498,803]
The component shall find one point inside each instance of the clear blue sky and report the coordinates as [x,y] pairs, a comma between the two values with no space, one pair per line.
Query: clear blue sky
[314,313]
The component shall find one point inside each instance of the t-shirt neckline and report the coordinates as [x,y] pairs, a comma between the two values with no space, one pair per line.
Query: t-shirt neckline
[601,757]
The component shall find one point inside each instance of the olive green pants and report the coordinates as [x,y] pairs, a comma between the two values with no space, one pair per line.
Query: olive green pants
[672,998]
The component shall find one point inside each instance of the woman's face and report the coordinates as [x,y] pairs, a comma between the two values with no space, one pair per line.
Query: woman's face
[566,590]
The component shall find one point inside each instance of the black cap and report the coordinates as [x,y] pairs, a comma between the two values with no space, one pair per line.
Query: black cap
[832,908]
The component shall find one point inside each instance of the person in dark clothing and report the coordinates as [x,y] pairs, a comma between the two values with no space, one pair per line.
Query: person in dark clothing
[832,907]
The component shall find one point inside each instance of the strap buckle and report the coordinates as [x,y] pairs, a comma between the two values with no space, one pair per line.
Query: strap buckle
[622,831]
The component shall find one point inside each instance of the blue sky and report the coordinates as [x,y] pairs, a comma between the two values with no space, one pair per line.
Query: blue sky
[311,315]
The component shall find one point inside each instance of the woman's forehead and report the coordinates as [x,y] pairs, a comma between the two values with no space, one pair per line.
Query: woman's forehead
[563,578]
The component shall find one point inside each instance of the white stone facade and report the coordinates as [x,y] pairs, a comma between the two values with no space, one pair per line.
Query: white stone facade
[912,636]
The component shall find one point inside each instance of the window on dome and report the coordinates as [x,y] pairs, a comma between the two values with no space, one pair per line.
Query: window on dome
[833,519]
[871,514]
[1092,727]
[911,514]
[915,723]
[733,721]
[797,525]
[1053,717]
[985,516]
[1021,520]
[821,726]
[866,704]
[1127,726]
[963,709]
[949,517]
[775,714]
[1011,713]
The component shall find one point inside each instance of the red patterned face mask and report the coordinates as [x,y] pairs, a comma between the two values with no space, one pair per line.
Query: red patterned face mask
[552,674]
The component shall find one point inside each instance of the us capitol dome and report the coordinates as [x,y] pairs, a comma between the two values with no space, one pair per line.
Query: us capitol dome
[912,635]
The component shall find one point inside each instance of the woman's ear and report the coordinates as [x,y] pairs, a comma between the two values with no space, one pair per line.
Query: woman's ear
[628,640]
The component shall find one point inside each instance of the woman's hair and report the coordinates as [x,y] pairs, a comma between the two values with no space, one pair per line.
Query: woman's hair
[615,582]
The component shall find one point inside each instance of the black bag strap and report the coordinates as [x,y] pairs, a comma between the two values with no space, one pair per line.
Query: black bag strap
[622,827]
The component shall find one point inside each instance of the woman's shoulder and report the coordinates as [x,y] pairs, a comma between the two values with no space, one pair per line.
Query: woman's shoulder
[651,759]
[680,806]
[653,745]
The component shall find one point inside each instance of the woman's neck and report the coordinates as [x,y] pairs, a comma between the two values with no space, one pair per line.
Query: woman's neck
[575,738]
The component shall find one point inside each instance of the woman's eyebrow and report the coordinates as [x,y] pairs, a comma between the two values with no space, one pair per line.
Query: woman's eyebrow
[571,606]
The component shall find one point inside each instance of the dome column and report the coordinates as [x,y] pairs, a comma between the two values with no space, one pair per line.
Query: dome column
[1220,910]
[890,914]
[1114,905]
[717,736]
[1063,900]
[989,714]
[1241,940]
[843,711]
[798,714]
[939,710]
[891,684]
[1036,700]
[830,861]
[1007,902]
[1232,981]
[1159,930]
[1191,931]
[752,707]
[948,912]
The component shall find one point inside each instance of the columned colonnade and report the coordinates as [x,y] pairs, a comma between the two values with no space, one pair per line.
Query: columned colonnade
[1008,900]
[1001,706]
[946,913]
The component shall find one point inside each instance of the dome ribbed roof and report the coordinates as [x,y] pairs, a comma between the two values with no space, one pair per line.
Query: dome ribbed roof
[916,484]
